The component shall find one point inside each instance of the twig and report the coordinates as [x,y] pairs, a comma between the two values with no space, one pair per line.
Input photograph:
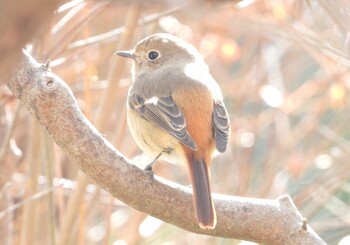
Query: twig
[73,30]
[32,198]
[111,35]
[49,172]
[30,209]
[8,135]
[105,111]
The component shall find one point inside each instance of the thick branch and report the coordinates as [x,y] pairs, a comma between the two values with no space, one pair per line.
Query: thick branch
[50,100]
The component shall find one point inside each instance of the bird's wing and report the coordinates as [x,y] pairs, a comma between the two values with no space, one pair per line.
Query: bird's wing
[221,126]
[165,114]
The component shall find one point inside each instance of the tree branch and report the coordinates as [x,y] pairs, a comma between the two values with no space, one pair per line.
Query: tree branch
[51,101]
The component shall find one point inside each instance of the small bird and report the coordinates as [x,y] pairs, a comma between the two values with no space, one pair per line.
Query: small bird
[176,112]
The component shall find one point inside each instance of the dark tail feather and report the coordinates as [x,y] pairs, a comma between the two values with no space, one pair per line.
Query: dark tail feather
[203,203]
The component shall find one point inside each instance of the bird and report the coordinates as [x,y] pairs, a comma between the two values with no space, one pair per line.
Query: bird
[176,113]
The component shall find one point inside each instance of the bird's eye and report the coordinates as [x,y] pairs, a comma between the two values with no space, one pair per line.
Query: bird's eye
[153,55]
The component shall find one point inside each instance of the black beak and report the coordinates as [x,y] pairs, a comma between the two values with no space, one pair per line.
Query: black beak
[126,54]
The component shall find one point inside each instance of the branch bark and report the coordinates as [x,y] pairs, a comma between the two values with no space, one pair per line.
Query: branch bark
[52,103]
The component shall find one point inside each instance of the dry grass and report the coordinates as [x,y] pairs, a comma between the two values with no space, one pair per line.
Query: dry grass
[283,68]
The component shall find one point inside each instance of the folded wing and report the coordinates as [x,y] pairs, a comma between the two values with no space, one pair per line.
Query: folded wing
[165,114]
[221,126]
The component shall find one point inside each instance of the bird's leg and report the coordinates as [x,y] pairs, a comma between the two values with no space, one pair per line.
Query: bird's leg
[148,168]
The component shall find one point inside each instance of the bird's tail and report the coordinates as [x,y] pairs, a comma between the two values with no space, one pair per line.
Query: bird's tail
[203,203]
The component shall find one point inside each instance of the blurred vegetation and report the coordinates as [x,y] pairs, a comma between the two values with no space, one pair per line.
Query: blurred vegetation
[283,69]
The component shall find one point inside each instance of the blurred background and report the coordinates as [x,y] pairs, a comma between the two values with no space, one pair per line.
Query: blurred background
[283,69]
